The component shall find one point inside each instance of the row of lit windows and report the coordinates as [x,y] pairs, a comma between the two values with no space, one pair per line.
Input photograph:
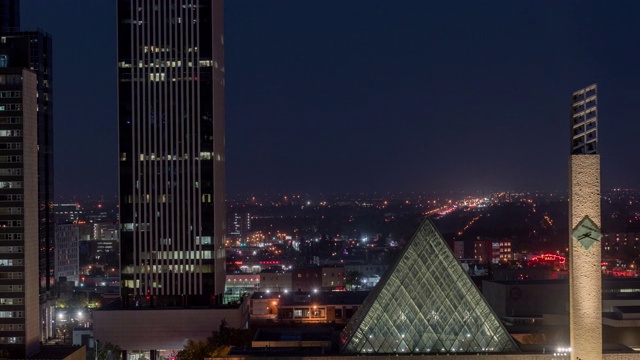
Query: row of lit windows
[11,327]
[10,184]
[165,269]
[155,49]
[10,94]
[169,64]
[11,314]
[177,255]
[11,120]
[128,199]
[11,301]
[12,340]
[11,107]
[11,236]
[11,159]
[10,79]
[10,133]
[10,223]
[10,249]
[11,275]
[205,155]
[142,79]
[10,172]
[10,210]
[10,146]
[10,288]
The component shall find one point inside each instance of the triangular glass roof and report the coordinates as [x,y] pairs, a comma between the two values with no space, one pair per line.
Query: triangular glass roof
[425,303]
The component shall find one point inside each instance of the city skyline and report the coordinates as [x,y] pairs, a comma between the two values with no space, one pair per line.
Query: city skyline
[410,96]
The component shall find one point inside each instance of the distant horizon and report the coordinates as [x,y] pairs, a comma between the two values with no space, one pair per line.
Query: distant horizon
[332,96]
[338,194]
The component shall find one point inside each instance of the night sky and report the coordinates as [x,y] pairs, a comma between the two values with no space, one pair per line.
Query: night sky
[362,96]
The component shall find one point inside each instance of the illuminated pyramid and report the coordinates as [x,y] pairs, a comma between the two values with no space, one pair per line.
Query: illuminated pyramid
[425,303]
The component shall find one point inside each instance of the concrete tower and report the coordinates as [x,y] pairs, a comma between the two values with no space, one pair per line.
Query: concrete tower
[584,219]
[19,314]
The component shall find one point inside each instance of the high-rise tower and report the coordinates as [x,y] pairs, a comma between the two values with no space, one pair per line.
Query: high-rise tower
[584,220]
[32,50]
[171,151]
[9,15]
[19,305]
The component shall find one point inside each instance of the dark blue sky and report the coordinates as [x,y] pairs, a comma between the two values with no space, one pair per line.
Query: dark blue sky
[346,95]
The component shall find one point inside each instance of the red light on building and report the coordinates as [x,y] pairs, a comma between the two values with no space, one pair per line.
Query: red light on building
[270,262]
[551,260]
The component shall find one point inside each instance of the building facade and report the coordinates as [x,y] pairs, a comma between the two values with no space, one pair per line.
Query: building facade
[238,223]
[32,50]
[492,251]
[306,279]
[171,147]
[67,260]
[68,213]
[19,305]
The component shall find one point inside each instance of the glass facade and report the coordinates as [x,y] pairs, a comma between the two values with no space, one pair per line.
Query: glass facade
[426,303]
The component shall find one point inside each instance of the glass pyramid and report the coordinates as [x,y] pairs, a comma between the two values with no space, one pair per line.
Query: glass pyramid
[425,303]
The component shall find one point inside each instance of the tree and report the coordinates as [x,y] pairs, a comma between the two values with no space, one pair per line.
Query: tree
[79,300]
[194,350]
[62,303]
[96,271]
[218,344]
[353,280]
[222,340]
[108,351]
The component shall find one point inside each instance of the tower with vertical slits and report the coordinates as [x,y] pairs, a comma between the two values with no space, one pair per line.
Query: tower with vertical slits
[171,151]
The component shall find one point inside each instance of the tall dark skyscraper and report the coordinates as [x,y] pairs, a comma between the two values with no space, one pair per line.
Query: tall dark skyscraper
[32,50]
[171,147]
[9,15]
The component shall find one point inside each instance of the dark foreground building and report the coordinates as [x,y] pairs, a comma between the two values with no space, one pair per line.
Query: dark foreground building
[19,314]
[171,147]
[33,50]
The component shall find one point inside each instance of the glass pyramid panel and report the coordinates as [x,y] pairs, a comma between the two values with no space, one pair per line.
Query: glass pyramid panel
[425,303]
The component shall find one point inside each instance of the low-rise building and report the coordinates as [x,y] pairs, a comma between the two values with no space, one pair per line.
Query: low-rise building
[492,251]
[157,333]
[321,307]
[307,279]
[238,284]
[276,280]
[333,278]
